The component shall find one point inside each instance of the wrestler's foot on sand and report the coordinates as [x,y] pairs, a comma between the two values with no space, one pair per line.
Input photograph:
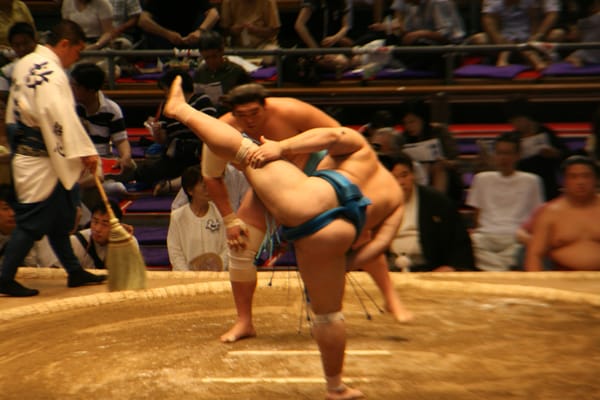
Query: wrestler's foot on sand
[15,289]
[399,312]
[344,393]
[237,332]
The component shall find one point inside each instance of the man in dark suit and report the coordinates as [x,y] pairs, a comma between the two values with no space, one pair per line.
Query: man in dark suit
[432,235]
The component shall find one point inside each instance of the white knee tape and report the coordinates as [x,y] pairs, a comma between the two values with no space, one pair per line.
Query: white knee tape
[322,319]
[241,262]
[213,166]
[242,152]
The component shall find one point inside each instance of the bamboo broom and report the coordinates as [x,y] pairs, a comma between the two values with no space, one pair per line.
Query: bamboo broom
[124,262]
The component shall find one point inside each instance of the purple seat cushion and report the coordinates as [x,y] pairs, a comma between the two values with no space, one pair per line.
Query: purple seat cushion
[490,71]
[151,204]
[264,73]
[568,69]
[155,256]
[148,235]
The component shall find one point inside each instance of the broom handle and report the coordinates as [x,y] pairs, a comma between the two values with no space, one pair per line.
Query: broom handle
[109,210]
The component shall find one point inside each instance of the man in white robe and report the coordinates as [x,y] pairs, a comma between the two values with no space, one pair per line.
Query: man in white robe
[51,150]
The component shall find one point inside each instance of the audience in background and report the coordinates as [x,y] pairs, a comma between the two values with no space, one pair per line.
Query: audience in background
[325,23]
[12,11]
[181,147]
[432,235]
[587,30]
[176,23]
[196,239]
[541,149]
[432,145]
[126,14]
[503,200]
[251,24]
[8,223]
[592,145]
[566,231]
[217,75]
[95,18]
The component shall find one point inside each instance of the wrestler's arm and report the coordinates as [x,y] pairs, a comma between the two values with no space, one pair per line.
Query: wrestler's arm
[337,140]
[380,241]
[538,245]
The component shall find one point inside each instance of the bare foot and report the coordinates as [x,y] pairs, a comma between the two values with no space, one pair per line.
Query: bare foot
[344,393]
[175,99]
[237,332]
[399,312]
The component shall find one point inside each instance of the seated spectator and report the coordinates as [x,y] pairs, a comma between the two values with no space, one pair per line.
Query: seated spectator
[587,30]
[236,185]
[12,11]
[510,21]
[181,147]
[95,18]
[432,235]
[548,16]
[103,120]
[176,23]
[441,162]
[379,119]
[503,200]
[542,151]
[217,75]
[251,24]
[592,144]
[89,245]
[8,224]
[126,14]
[426,22]
[22,40]
[196,238]
[566,231]
[325,23]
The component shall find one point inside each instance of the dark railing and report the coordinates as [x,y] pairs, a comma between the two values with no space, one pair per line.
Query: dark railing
[449,52]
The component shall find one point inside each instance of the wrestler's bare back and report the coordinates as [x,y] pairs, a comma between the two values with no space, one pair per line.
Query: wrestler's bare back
[574,234]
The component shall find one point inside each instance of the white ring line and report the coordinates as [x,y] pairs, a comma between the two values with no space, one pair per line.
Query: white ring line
[305,352]
[244,379]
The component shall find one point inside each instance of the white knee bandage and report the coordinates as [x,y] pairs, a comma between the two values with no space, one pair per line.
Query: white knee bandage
[213,166]
[242,152]
[322,319]
[241,262]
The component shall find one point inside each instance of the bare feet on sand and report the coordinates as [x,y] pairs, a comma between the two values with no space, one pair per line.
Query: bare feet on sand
[237,332]
[399,312]
[344,393]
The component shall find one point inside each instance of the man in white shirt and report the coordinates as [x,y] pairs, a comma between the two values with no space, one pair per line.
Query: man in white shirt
[503,199]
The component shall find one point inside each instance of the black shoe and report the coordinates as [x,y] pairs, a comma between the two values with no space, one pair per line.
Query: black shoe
[15,289]
[81,277]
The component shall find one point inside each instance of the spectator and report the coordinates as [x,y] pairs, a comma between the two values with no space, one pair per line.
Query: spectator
[509,21]
[95,18]
[592,145]
[8,224]
[176,23]
[196,230]
[427,22]
[89,245]
[566,231]
[503,200]
[181,147]
[217,75]
[126,14]
[325,23]
[22,40]
[251,24]
[432,235]
[12,11]
[103,120]
[441,163]
[541,149]
[587,30]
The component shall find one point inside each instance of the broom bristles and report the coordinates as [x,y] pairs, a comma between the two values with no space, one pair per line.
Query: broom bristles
[124,262]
